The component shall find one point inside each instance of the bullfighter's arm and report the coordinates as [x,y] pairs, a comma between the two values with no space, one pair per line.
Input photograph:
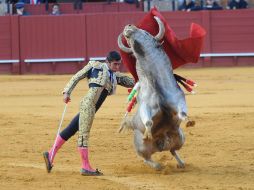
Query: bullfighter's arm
[76,78]
[124,80]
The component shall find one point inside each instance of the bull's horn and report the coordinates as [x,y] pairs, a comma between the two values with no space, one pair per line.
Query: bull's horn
[161,33]
[121,46]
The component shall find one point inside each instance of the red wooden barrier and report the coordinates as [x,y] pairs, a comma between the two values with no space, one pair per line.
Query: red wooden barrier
[51,37]
[125,7]
[104,29]
[230,32]
[9,43]
[36,9]
[15,43]
[93,35]
[5,42]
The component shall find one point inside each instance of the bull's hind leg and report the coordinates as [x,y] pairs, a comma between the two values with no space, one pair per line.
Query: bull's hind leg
[153,164]
[146,118]
[179,140]
[144,149]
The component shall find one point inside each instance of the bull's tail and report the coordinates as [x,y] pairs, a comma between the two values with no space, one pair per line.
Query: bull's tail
[126,124]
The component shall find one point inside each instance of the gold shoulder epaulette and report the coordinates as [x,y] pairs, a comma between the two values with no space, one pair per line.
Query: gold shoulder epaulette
[95,64]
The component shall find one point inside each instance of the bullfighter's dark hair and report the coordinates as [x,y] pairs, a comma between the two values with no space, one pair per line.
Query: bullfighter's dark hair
[113,56]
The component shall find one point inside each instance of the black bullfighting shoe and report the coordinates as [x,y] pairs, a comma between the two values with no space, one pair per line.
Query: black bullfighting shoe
[90,173]
[47,162]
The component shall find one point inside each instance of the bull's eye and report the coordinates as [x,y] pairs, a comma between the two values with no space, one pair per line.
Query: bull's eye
[159,45]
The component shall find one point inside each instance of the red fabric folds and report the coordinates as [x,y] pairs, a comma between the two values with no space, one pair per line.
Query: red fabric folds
[180,52]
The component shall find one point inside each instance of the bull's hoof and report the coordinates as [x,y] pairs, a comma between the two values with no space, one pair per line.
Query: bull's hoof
[153,164]
[157,167]
[180,165]
[121,128]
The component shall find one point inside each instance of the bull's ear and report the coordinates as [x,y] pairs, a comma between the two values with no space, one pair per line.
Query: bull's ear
[161,33]
[121,46]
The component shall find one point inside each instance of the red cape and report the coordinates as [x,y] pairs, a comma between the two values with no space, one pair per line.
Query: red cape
[180,52]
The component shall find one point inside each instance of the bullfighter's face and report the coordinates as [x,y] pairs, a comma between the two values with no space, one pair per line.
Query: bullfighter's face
[114,65]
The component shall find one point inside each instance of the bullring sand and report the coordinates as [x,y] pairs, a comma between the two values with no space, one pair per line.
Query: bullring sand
[219,149]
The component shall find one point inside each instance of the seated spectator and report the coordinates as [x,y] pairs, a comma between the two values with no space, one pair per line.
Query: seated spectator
[198,6]
[233,4]
[49,1]
[212,5]
[243,4]
[129,1]
[237,4]
[187,5]
[132,2]
[77,4]
[20,9]
[56,9]
[32,2]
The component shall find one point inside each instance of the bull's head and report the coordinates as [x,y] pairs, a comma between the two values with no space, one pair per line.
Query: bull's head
[139,39]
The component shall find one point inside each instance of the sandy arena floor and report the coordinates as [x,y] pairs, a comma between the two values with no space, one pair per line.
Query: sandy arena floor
[219,150]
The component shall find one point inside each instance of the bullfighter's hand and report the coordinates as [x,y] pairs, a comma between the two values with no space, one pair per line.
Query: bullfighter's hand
[66,98]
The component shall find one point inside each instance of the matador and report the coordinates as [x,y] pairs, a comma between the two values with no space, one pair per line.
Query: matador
[102,81]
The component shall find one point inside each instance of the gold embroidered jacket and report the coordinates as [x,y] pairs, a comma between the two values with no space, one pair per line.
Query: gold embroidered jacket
[98,73]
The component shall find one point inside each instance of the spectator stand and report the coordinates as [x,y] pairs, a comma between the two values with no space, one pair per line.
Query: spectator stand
[237,4]
[71,8]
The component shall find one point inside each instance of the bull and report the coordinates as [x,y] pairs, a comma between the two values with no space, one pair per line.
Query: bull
[161,102]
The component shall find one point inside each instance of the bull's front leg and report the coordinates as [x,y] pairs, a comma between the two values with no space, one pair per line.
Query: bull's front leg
[146,118]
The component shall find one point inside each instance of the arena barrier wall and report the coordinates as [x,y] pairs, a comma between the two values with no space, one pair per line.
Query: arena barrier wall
[63,44]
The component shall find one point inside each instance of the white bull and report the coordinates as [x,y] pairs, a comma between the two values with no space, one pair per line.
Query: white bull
[161,102]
